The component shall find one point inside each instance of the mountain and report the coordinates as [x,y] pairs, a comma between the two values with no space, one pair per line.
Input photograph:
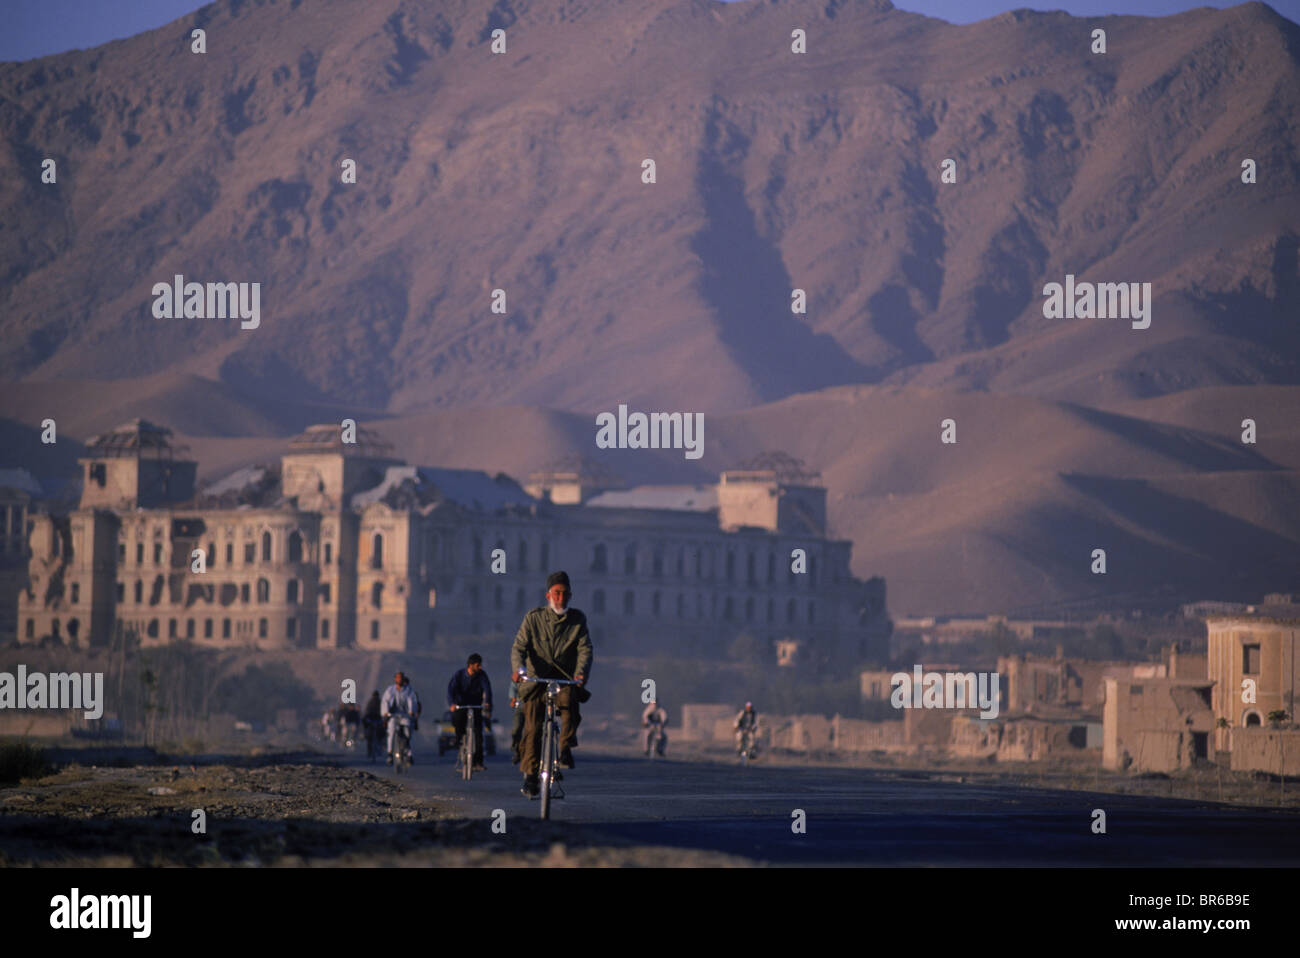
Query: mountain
[774,171]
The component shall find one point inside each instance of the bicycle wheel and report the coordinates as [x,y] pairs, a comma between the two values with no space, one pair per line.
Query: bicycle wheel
[548,764]
[467,756]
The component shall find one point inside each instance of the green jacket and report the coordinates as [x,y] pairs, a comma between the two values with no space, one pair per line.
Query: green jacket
[551,646]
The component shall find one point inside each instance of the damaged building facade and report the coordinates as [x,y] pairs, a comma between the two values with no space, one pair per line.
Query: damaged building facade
[344,545]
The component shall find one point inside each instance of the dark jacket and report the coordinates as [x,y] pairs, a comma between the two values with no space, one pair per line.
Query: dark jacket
[464,689]
[551,646]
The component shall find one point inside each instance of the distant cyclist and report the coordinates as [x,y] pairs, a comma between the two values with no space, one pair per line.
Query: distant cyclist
[470,686]
[746,722]
[349,722]
[655,719]
[400,706]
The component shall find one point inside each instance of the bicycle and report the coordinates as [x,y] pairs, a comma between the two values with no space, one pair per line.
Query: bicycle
[466,754]
[550,742]
[748,745]
[657,739]
[401,746]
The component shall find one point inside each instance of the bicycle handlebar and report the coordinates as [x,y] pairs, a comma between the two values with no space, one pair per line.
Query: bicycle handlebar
[533,678]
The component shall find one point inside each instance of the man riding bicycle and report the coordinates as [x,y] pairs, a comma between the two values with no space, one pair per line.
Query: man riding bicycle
[746,723]
[552,643]
[470,686]
[655,719]
[400,706]
[349,722]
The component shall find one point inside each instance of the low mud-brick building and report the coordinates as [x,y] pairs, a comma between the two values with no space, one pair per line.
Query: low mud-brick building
[342,544]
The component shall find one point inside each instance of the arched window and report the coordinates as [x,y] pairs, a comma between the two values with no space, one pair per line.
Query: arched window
[731,565]
[629,602]
[377,595]
[292,593]
[655,603]
[657,563]
[266,547]
[681,606]
[599,559]
[598,600]
[750,574]
[629,559]
[377,552]
[295,546]
[749,610]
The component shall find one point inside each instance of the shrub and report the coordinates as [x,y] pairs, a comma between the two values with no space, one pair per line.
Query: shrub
[19,761]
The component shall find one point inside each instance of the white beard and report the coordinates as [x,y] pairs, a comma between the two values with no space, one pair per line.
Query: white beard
[558,610]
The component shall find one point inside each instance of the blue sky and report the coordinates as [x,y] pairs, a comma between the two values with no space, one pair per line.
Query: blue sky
[36,28]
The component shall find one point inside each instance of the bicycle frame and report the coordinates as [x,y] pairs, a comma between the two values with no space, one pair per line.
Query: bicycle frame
[550,740]
[468,742]
[401,744]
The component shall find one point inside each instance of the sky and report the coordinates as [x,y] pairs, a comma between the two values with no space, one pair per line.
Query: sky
[37,28]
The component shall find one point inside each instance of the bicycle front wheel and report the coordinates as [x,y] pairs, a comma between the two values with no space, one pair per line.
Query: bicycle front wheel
[548,766]
[467,755]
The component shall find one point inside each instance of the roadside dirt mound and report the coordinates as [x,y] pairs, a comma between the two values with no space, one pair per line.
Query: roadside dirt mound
[286,815]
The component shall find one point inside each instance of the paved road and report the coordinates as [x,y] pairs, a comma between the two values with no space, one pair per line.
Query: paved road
[863,817]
